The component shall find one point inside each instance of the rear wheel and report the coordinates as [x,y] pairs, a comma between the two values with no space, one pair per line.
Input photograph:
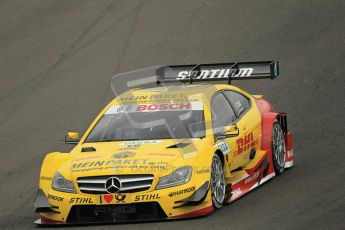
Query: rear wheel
[278,148]
[217,182]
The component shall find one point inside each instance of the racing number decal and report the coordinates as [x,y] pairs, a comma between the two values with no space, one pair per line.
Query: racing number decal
[245,143]
[224,147]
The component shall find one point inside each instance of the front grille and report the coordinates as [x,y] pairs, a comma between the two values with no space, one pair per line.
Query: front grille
[115,213]
[129,183]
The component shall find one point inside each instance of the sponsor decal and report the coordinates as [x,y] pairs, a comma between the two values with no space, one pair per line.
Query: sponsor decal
[129,148]
[133,145]
[138,143]
[162,107]
[108,198]
[236,193]
[89,164]
[79,200]
[216,73]
[57,198]
[252,178]
[180,106]
[148,168]
[201,171]
[117,198]
[223,146]
[154,98]
[120,198]
[116,164]
[182,191]
[147,197]
[48,178]
[245,143]
[123,155]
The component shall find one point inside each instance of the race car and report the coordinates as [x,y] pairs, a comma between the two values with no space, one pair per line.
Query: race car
[181,149]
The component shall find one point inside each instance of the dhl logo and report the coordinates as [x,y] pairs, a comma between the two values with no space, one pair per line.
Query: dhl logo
[245,143]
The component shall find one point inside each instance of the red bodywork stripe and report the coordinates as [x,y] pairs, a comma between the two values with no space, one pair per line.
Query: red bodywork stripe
[200,212]
[45,220]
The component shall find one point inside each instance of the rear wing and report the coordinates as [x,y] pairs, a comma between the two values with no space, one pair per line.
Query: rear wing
[218,72]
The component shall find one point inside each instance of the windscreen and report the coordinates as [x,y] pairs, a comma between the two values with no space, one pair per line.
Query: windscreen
[149,122]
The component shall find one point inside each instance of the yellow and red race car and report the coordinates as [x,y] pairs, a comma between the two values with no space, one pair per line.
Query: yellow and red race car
[168,152]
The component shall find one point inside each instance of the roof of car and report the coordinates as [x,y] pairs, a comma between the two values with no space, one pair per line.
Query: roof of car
[184,89]
[170,93]
[178,87]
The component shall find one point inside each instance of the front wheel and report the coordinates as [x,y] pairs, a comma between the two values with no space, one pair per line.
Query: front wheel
[278,148]
[217,182]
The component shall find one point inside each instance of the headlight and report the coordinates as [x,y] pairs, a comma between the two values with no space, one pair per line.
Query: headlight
[178,177]
[61,184]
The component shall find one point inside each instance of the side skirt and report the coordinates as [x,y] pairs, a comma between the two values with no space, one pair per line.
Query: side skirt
[255,174]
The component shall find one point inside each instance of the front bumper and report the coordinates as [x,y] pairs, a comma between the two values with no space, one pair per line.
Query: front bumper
[173,203]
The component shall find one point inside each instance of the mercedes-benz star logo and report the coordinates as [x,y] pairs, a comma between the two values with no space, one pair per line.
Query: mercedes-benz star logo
[112,185]
[124,108]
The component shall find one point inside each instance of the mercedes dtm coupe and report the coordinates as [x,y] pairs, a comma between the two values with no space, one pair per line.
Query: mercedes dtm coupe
[168,152]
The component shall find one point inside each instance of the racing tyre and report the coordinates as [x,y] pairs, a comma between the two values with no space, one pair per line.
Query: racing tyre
[278,148]
[217,182]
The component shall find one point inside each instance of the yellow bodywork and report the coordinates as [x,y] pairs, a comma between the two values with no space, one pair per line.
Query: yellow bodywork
[152,156]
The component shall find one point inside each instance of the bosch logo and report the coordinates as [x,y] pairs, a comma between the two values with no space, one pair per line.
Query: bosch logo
[112,185]
[123,155]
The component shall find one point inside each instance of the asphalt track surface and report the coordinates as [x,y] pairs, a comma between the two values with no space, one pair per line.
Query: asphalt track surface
[57,59]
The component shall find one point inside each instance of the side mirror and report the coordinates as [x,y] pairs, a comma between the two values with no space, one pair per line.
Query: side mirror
[72,138]
[229,131]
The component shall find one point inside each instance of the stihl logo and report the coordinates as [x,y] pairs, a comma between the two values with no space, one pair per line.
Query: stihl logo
[245,143]
[216,73]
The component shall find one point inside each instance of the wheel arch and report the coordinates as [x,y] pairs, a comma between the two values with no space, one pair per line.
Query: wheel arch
[51,163]
[268,120]
[220,154]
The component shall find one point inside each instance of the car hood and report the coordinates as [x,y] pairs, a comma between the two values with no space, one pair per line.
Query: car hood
[156,157]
